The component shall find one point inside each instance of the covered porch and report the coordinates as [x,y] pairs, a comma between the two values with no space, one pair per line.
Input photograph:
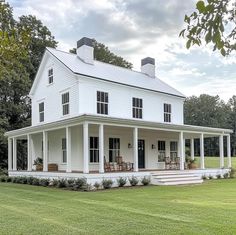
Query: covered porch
[89,144]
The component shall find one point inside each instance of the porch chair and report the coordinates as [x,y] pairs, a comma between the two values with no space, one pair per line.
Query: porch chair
[108,166]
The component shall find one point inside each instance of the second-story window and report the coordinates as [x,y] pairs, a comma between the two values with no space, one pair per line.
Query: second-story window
[167,112]
[41,112]
[50,76]
[102,102]
[65,103]
[137,108]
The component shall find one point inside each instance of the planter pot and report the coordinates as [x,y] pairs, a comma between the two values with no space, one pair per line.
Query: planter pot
[193,166]
[39,167]
[52,167]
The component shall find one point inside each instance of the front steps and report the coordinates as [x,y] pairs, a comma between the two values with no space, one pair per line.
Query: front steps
[175,178]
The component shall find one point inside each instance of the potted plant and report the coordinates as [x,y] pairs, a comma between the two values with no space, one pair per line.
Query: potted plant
[38,162]
[191,163]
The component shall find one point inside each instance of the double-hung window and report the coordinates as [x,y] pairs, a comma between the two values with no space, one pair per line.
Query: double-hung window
[114,149]
[64,151]
[94,149]
[167,112]
[173,150]
[41,112]
[161,151]
[65,103]
[137,108]
[50,76]
[102,102]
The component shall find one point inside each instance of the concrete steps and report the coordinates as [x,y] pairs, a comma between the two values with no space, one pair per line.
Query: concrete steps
[175,178]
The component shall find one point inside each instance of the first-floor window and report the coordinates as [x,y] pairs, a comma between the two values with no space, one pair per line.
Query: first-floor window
[64,152]
[65,99]
[161,150]
[167,112]
[94,149]
[173,150]
[41,112]
[114,149]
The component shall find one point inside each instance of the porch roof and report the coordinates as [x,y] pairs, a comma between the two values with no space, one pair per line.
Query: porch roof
[97,119]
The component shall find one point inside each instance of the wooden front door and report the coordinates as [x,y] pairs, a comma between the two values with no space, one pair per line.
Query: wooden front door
[141,153]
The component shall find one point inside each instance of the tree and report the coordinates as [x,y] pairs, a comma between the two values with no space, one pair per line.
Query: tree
[210,111]
[40,38]
[102,53]
[212,22]
[14,79]
[232,123]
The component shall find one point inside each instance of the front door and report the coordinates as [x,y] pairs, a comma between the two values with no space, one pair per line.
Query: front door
[141,154]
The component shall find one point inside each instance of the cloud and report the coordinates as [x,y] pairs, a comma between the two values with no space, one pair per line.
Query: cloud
[135,29]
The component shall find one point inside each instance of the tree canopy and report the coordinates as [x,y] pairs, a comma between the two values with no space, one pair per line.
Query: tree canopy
[103,54]
[214,23]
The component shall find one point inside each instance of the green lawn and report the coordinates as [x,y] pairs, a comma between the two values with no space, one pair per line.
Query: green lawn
[201,209]
[214,162]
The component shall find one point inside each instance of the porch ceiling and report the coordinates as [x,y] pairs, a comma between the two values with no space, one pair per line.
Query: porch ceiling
[97,119]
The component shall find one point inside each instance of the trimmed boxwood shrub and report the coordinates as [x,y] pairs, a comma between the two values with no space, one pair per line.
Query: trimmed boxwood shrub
[133,181]
[61,183]
[3,178]
[218,176]
[70,183]
[107,183]
[121,181]
[80,183]
[35,181]
[226,175]
[54,182]
[232,173]
[44,182]
[97,185]
[146,181]
[30,180]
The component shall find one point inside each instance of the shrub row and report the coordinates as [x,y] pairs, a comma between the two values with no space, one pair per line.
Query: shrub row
[218,176]
[79,184]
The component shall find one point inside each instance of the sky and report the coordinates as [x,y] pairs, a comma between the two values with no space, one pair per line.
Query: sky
[135,29]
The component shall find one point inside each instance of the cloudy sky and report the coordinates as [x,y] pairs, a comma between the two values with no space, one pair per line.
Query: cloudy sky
[135,29]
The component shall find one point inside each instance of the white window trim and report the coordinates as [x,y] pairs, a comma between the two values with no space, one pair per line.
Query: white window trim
[69,103]
[93,163]
[38,102]
[168,103]
[137,107]
[108,104]
[63,163]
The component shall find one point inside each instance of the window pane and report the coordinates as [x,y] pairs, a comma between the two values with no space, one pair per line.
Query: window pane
[106,109]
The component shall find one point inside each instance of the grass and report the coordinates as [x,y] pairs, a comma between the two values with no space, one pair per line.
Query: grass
[200,209]
[214,162]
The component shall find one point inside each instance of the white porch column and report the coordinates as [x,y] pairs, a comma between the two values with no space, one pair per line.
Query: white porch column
[101,148]
[181,150]
[202,157]
[85,148]
[68,149]
[184,150]
[45,151]
[221,145]
[192,148]
[29,152]
[9,154]
[229,151]
[135,148]
[14,158]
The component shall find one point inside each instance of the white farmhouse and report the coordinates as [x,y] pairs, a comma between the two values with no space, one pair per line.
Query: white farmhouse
[98,120]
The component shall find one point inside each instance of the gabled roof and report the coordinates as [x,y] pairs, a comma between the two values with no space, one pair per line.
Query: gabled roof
[112,73]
